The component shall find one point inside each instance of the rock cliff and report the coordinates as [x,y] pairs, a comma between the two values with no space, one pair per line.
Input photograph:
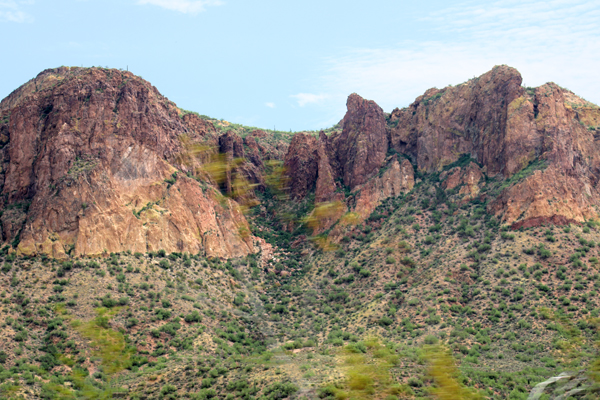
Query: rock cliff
[97,160]
[541,143]
[91,163]
[507,128]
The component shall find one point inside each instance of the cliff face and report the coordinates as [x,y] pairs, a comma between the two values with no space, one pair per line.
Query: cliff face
[355,159]
[363,144]
[89,165]
[542,143]
[97,160]
[471,118]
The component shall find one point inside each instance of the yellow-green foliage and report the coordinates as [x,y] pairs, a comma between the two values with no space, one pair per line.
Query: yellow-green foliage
[324,212]
[443,371]
[367,369]
[8,390]
[277,179]
[108,345]
[209,164]
[571,341]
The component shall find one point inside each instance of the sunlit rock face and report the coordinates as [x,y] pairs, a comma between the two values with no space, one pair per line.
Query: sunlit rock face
[97,161]
[89,166]
[541,142]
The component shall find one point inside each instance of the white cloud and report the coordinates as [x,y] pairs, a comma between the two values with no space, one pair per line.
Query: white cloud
[10,10]
[270,105]
[308,98]
[554,40]
[184,6]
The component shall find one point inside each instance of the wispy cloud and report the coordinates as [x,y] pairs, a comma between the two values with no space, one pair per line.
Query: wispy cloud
[11,10]
[308,98]
[270,105]
[184,6]
[554,40]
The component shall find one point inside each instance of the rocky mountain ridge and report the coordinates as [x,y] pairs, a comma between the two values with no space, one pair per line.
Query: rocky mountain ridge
[504,127]
[97,160]
[373,260]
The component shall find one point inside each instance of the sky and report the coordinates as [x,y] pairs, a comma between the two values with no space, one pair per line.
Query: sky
[290,65]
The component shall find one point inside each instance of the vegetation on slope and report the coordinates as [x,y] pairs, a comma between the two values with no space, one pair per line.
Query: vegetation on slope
[429,282]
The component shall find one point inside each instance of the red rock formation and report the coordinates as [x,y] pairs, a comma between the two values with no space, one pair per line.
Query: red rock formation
[540,221]
[254,153]
[568,187]
[301,164]
[396,180]
[496,121]
[469,118]
[241,175]
[363,144]
[355,156]
[89,167]
[326,187]
[269,148]
[90,161]
[468,178]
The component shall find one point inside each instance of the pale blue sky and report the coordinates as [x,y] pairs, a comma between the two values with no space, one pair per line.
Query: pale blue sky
[292,64]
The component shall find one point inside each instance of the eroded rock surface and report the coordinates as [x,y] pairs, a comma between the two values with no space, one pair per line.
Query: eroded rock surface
[542,144]
[97,160]
[466,178]
[91,159]
[363,144]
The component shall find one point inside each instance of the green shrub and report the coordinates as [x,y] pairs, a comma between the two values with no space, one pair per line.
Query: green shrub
[108,302]
[365,273]
[430,339]
[168,389]
[163,314]
[194,316]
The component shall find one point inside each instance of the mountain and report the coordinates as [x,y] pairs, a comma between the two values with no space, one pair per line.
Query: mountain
[94,162]
[448,249]
[508,130]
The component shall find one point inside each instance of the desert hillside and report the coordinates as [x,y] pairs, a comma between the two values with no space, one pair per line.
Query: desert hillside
[445,250]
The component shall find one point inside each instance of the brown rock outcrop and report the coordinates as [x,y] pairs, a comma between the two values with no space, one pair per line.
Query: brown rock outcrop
[467,177]
[354,156]
[568,187]
[96,160]
[363,144]
[496,121]
[470,118]
[90,164]
[270,148]
[241,174]
[506,128]
[301,164]
[397,179]
[254,153]
[325,186]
